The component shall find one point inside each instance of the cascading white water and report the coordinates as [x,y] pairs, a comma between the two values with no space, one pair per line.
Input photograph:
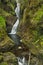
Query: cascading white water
[13,32]
[17,11]
[14,29]
[22,61]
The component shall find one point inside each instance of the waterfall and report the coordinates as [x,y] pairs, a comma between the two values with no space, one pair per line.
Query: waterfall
[17,11]
[14,29]
[13,32]
[22,61]
[15,37]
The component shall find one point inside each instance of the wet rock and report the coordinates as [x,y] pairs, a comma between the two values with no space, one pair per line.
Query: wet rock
[6,45]
[10,20]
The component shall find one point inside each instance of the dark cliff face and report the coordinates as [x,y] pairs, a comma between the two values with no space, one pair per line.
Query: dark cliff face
[10,20]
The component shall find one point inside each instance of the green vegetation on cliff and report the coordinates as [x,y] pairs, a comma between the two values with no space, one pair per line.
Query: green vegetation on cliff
[31,26]
[2,22]
[2,26]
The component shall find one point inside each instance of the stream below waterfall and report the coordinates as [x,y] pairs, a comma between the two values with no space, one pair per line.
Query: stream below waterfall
[22,61]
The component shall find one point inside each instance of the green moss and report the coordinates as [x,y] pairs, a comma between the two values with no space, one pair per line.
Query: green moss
[1,57]
[4,63]
[41,40]
[37,16]
[2,21]
[2,26]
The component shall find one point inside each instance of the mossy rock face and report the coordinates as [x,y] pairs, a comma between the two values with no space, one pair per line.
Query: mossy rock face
[5,45]
[4,63]
[7,7]
[31,26]
[8,59]
[2,27]
[10,20]
[5,42]
[1,58]
[2,22]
